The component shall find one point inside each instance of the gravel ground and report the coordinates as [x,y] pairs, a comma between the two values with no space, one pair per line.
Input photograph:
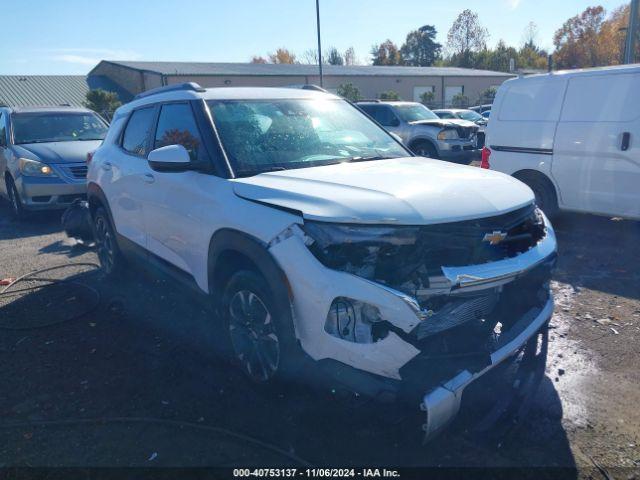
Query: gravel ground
[138,356]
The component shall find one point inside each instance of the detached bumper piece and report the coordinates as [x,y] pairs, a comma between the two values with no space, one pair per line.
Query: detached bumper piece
[442,404]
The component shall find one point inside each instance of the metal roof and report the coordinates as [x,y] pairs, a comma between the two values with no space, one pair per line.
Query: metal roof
[269,69]
[53,90]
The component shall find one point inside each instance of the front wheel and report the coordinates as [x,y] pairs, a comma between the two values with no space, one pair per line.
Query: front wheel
[106,245]
[425,149]
[260,333]
[17,209]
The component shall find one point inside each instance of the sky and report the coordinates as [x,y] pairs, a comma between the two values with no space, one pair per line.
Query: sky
[71,36]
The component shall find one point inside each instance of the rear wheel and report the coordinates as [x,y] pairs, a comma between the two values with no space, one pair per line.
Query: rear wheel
[261,336]
[106,245]
[425,149]
[544,191]
[17,209]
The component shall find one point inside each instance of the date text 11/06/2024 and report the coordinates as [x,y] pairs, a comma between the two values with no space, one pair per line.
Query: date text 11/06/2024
[316,472]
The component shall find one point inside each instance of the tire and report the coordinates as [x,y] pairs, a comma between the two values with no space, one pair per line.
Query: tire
[109,254]
[260,334]
[425,149]
[544,191]
[17,209]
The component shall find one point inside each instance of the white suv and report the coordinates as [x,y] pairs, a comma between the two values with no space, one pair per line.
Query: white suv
[321,240]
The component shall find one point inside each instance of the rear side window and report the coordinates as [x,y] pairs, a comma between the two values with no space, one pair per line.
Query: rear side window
[177,126]
[537,100]
[136,133]
[381,114]
[602,98]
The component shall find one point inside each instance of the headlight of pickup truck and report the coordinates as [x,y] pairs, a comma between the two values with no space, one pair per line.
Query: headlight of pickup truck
[448,134]
[33,168]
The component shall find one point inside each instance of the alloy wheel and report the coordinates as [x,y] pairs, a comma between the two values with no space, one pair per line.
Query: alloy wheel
[253,336]
[104,244]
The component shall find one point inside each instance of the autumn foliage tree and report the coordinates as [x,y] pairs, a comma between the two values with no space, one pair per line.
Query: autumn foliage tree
[466,37]
[591,39]
[387,53]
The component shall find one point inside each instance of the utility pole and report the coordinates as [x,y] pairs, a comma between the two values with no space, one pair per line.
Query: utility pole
[632,33]
[319,44]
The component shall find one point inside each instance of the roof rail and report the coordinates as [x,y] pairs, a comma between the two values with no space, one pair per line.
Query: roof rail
[192,86]
[369,100]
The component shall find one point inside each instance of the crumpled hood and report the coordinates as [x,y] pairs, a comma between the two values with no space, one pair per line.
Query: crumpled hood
[445,122]
[60,152]
[404,191]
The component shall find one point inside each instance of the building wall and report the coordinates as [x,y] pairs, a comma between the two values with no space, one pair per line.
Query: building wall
[369,86]
[409,88]
[134,81]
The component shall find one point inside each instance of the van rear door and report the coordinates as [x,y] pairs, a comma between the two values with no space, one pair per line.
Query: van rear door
[596,160]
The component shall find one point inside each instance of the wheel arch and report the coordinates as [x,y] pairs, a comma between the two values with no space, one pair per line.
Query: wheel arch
[232,250]
[529,172]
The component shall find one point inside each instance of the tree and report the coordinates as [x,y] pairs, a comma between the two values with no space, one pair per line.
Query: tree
[460,100]
[387,53]
[282,55]
[389,95]
[487,96]
[310,56]
[428,98]
[420,49]
[350,56]
[103,102]
[333,57]
[498,59]
[466,37]
[349,91]
[591,39]
[530,37]
[258,59]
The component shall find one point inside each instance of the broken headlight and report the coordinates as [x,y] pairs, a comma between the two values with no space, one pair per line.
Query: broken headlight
[355,321]
[359,249]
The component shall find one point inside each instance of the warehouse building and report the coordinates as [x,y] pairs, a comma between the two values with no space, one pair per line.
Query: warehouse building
[130,78]
[409,82]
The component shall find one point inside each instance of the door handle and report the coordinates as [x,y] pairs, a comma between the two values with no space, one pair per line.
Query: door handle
[626,140]
[106,166]
[148,178]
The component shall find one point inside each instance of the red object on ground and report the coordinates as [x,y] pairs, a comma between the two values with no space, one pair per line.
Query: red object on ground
[7,281]
[484,162]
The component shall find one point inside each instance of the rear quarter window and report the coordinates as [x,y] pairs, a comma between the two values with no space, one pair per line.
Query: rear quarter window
[135,139]
[602,98]
[529,100]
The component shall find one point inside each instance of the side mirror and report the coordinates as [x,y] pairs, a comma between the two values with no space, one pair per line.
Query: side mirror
[169,158]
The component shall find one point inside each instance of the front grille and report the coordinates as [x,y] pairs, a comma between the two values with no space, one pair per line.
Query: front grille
[79,171]
[454,245]
[466,132]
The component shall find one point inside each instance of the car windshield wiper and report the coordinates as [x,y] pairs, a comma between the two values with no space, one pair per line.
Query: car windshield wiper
[368,158]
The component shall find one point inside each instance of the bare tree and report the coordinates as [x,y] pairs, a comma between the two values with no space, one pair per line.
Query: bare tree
[350,56]
[466,37]
[310,56]
[258,59]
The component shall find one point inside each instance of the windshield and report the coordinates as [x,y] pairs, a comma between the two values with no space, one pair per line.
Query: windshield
[57,127]
[470,115]
[415,112]
[267,135]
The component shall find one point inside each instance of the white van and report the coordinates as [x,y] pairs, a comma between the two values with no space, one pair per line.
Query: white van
[573,137]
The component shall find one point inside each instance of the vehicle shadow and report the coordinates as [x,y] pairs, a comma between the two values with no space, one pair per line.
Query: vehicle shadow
[599,253]
[139,350]
[36,223]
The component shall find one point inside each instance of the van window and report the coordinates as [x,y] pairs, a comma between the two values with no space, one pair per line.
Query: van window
[136,133]
[602,98]
[533,100]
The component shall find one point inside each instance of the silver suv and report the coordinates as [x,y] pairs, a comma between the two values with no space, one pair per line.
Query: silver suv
[424,132]
[43,155]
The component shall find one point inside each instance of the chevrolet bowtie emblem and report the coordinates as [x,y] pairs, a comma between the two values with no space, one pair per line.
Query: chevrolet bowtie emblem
[495,237]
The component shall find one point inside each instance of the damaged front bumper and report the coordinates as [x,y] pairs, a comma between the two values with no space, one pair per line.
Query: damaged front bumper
[408,354]
[442,404]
